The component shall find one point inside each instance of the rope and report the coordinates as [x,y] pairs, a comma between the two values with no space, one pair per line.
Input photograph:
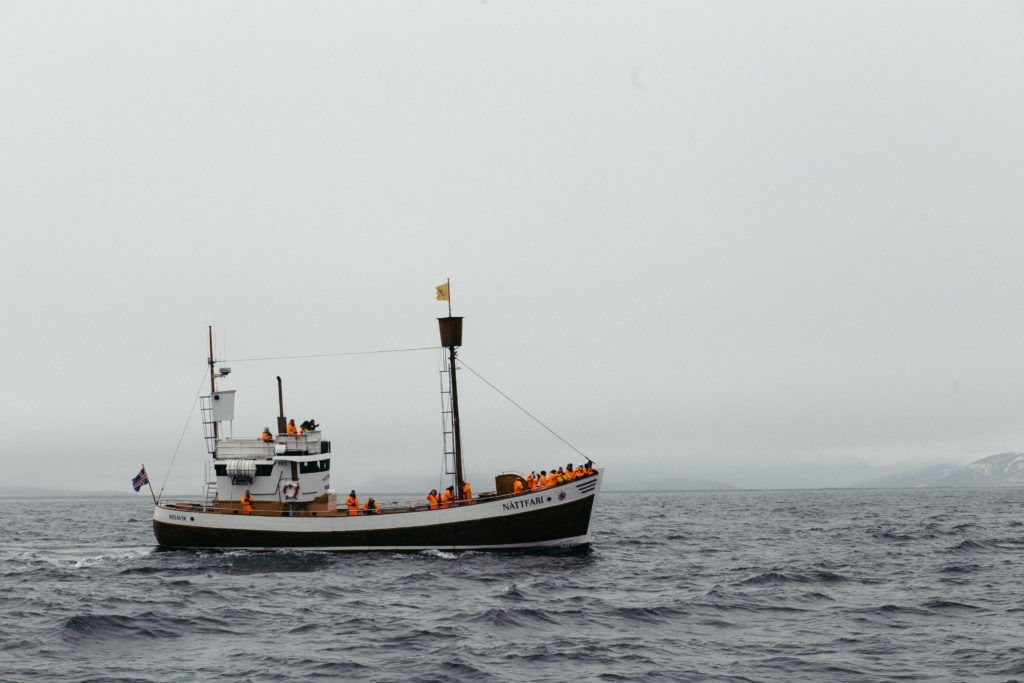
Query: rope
[329,355]
[191,410]
[528,413]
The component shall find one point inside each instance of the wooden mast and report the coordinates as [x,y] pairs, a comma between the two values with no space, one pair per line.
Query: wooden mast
[451,337]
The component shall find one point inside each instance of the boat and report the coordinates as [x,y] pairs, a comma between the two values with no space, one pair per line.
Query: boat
[289,502]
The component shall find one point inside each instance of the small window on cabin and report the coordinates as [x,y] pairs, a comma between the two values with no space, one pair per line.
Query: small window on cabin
[325,465]
[221,470]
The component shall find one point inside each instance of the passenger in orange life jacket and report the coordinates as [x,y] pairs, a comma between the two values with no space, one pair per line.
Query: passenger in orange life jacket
[353,503]
[292,429]
[247,502]
[447,497]
[560,476]
[371,507]
[267,436]
[467,493]
[542,480]
[517,486]
[570,473]
[432,499]
[531,480]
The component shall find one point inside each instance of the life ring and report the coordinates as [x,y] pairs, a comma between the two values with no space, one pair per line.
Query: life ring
[291,489]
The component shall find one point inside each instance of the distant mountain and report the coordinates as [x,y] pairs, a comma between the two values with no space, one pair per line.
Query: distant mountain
[1002,469]
[39,492]
[665,484]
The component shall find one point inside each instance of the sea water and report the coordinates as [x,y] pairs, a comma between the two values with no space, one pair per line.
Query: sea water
[827,585]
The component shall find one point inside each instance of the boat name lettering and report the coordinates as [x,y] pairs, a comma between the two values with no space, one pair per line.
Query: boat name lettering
[524,503]
[180,518]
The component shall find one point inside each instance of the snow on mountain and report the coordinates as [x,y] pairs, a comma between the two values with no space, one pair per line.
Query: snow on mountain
[1002,469]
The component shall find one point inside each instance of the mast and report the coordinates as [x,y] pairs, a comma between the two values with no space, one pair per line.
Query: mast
[213,386]
[451,336]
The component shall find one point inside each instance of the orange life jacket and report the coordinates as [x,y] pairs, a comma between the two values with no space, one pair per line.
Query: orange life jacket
[353,505]
[530,481]
[247,504]
[517,486]
[432,500]
[446,498]
[467,493]
[370,510]
[292,429]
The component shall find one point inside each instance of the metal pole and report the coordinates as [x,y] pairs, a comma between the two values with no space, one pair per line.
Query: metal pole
[281,428]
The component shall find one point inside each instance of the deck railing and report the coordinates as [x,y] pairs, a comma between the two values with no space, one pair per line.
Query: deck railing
[392,507]
[258,449]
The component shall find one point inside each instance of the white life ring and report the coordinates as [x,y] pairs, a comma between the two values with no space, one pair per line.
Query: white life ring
[291,489]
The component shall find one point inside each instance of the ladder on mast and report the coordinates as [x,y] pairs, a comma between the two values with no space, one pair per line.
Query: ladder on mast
[210,485]
[447,417]
[209,431]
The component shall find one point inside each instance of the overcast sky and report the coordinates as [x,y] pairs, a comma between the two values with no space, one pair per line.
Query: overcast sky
[769,243]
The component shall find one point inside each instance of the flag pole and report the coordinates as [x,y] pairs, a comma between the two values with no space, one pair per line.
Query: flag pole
[448,285]
[150,485]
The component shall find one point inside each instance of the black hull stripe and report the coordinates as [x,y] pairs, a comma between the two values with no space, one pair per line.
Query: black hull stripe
[536,527]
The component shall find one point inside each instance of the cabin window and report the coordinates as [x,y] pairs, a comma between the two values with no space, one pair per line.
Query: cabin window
[314,466]
[222,470]
[325,446]
[264,470]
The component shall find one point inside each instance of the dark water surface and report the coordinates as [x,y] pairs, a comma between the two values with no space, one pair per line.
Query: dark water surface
[895,585]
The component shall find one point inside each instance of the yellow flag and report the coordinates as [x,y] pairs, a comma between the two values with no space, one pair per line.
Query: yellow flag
[442,292]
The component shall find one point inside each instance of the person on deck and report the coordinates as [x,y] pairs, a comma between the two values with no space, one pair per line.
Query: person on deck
[467,493]
[247,502]
[371,507]
[542,480]
[570,472]
[531,481]
[447,497]
[267,436]
[517,486]
[292,429]
[352,502]
[432,499]
[309,425]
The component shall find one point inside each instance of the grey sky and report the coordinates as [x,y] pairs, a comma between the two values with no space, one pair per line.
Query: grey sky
[721,240]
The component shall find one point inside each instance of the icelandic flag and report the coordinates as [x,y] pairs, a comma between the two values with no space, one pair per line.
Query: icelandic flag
[140,480]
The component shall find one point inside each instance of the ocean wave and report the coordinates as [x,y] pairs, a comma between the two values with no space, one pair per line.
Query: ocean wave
[100,627]
[968,546]
[939,603]
[111,558]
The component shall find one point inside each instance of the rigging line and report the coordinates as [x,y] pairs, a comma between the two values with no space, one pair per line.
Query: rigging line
[191,410]
[532,417]
[328,355]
